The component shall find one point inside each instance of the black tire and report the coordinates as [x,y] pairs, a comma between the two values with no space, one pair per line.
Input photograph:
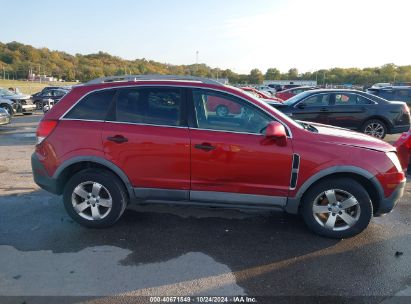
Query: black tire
[222,111]
[111,184]
[372,127]
[8,108]
[39,105]
[361,212]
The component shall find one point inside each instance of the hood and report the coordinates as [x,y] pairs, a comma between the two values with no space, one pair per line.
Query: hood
[347,137]
[20,96]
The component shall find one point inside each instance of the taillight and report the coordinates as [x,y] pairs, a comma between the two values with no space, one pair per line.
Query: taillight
[406,109]
[44,129]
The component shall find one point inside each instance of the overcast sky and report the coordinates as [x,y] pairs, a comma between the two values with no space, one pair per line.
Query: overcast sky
[240,35]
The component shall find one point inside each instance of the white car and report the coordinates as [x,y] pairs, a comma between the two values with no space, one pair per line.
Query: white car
[380,85]
[16,103]
[266,89]
[4,117]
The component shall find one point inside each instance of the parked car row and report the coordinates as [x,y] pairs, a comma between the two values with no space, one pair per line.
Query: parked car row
[399,93]
[349,109]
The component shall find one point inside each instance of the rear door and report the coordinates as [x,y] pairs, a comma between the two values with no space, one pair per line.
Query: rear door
[147,137]
[349,110]
[313,108]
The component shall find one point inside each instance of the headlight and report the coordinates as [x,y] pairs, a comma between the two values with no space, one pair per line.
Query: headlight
[394,158]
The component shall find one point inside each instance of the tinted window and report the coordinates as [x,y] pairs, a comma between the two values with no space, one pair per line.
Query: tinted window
[223,112]
[345,99]
[319,100]
[403,93]
[363,101]
[93,107]
[157,106]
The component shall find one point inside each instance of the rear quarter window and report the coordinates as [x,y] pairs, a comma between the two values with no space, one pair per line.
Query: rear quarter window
[93,106]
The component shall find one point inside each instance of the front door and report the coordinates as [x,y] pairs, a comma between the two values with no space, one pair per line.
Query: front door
[231,159]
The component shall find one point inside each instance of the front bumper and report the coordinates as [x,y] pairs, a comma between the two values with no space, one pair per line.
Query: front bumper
[399,129]
[41,176]
[387,204]
[28,108]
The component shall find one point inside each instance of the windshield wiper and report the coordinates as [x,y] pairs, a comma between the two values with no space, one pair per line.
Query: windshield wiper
[308,127]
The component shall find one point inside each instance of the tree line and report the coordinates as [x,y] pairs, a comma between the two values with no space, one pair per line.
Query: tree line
[17,59]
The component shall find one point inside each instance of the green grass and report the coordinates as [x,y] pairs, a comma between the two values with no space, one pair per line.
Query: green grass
[29,87]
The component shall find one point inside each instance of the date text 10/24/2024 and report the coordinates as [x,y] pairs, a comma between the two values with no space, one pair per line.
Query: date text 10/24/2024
[203,299]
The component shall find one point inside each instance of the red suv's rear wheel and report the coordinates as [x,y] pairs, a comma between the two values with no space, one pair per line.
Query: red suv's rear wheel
[95,198]
[337,208]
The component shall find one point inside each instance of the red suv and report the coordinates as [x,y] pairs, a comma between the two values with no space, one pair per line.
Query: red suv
[153,139]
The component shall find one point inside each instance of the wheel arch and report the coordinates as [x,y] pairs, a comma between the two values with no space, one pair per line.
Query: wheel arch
[76,164]
[364,177]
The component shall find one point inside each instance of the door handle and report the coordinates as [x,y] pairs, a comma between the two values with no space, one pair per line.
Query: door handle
[117,139]
[204,146]
[324,110]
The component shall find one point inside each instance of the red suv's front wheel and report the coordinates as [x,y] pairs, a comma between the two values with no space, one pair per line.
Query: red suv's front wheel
[337,208]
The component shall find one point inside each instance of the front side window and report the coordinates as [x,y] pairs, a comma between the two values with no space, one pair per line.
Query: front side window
[217,111]
[319,100]
[92,107]
[156,106]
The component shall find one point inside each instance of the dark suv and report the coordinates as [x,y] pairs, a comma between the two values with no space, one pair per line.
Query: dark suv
[154,139]
[400,93]
[350,109]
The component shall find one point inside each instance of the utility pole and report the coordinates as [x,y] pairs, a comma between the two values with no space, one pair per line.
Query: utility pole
[196,61]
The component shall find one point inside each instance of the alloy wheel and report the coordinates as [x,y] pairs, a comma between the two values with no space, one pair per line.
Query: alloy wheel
[91,200]
[336,209]
[374,129]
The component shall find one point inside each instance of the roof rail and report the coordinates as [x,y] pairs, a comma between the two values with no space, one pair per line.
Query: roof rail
[153,77]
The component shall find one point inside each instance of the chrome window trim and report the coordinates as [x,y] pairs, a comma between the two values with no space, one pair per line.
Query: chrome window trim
[145,124]
[178,86]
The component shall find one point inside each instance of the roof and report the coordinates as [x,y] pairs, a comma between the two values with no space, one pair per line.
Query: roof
[152,77]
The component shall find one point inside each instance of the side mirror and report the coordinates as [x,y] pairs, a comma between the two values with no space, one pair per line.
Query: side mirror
[301,105]
[275,130]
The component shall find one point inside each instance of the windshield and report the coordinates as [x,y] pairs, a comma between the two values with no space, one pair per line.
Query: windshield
[284,118]
[5,92]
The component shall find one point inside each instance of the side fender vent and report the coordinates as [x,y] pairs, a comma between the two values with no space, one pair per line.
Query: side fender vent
[294,171]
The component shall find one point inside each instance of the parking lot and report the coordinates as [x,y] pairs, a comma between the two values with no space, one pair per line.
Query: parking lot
[185,251]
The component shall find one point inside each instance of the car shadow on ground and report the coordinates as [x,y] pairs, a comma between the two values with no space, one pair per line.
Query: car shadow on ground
[38,221]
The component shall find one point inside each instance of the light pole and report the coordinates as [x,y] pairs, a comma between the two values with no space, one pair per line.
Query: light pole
[196,61]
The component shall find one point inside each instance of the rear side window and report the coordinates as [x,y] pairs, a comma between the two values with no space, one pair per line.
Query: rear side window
[156,106]
[93,107]
[363,101]
[345,99]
